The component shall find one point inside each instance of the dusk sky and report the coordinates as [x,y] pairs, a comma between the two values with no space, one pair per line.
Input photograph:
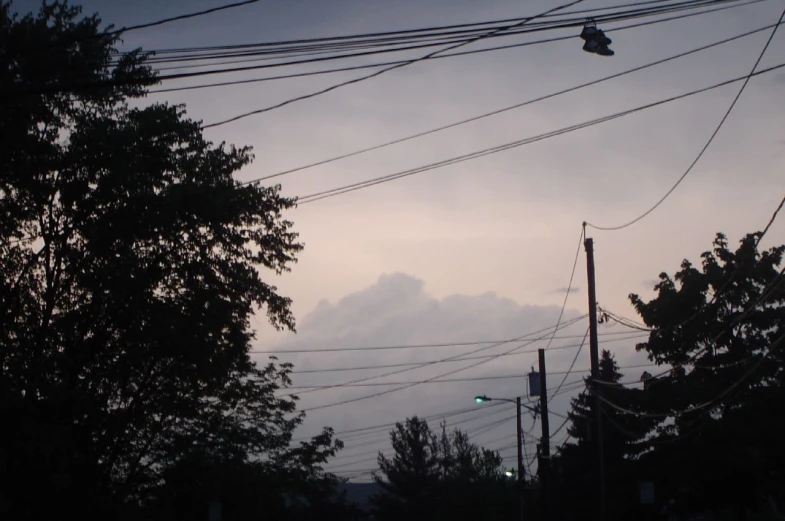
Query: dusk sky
[482,250]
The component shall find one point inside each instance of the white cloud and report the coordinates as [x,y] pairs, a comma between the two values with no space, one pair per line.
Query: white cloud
[397,310]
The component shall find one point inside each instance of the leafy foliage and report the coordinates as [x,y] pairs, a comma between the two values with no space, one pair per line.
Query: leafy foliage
[131,263]
[724,322]
[439,476]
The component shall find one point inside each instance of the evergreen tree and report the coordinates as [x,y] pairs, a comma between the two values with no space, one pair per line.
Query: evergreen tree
[623,434]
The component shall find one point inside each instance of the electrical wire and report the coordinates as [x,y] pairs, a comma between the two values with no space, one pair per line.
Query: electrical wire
[765,293]
[418,346]
[626,322]
[408,35]
[266,51]
[471,431]
[468,379]
[449,55]
[630,336]
[317,196]
[572,365]
[385,432]
[560,427]
[378,428]
[569,287]
[475,351]
[441,33]
[401,388]
[676,414]
[440,416]
[182,17]
[705,147]
[505,109]
[725,285]
[32,238]
[378,73]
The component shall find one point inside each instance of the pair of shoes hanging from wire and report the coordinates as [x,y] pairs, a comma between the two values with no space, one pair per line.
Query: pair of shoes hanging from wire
[596,41]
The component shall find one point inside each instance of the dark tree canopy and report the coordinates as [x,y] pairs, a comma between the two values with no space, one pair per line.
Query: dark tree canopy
[575,466]
[434,476]
[131,263]
[724,322]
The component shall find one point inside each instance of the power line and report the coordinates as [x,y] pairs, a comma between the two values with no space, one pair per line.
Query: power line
[569,288]
[454,30]
[475,351]
[475,431]
[472,379]
[631,336]
[313,47]
[384,440]
[310,198]
[32,238]
[384,429]
[704,405]
[418,346]
[427,381]
[642,327]
[449,55]
[506,109]
[765,293]
[705,147]
[410,385]
[560,427]
[118,82]
[375,429]
[378,73]
[183,17]
[572,365]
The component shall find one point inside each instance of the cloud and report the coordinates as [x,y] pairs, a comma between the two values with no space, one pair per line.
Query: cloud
[779,78]
[565,290]
[397,310]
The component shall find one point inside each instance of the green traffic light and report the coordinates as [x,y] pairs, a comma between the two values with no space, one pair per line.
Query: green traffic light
[479,399]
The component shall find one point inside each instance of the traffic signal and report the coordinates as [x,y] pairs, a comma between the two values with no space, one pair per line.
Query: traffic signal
[596,41]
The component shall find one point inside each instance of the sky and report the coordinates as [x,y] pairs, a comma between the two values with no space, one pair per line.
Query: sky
[482,250]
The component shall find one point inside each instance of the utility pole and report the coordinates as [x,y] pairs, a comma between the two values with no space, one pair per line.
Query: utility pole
[595,375]
[521,477]
[545,442]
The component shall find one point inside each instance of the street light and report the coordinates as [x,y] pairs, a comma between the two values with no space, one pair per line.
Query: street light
[519,405]
[517,401]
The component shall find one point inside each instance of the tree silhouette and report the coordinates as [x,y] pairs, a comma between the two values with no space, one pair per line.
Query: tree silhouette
[724,322]
[576,462]
[434,477]
[131,263]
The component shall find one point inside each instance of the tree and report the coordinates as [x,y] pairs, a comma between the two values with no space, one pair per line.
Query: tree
[131,263]
[721,325]
[432,477]
[621,438]
[623,435]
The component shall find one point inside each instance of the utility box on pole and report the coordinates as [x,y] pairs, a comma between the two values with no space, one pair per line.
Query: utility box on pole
[534,383]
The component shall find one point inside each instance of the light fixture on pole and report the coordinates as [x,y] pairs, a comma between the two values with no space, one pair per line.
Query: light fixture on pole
[519,426]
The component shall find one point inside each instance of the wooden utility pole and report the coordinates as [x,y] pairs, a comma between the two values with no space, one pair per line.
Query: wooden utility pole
[545,442]
[595,375]
[521,477]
